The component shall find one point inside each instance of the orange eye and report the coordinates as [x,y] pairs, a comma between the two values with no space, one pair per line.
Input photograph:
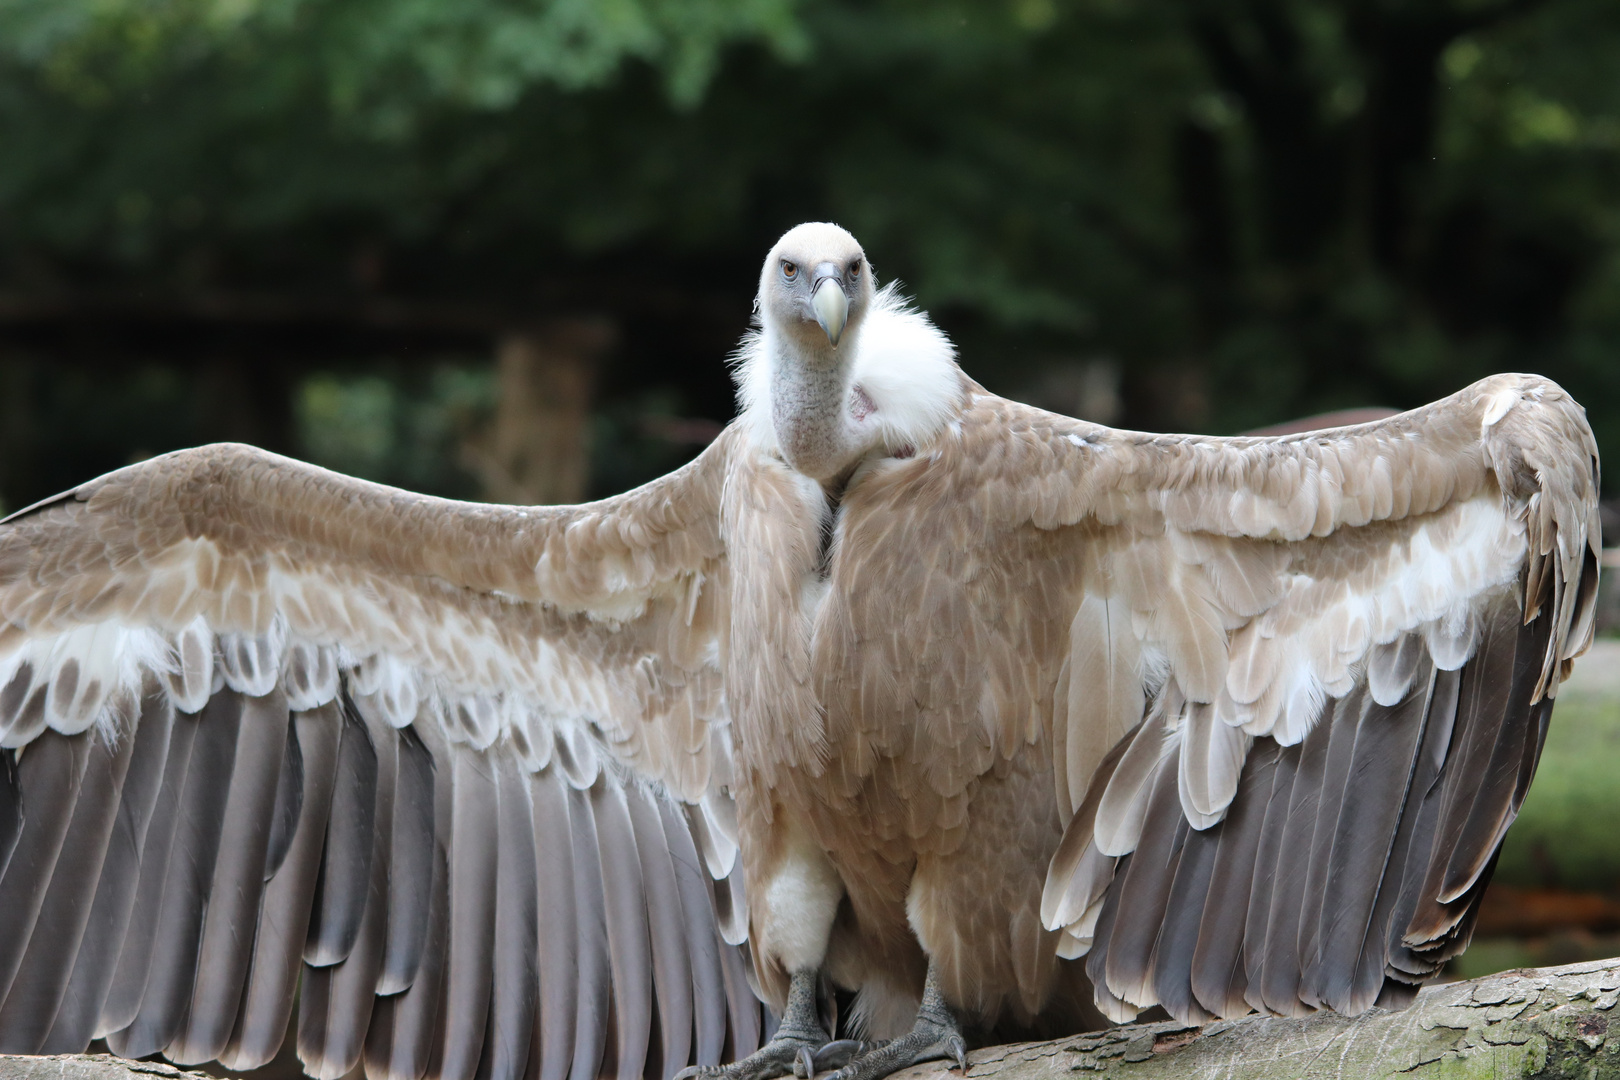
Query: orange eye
[855,269]
[789,270]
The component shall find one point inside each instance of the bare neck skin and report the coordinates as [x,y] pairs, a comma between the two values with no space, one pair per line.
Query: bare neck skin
[810,404]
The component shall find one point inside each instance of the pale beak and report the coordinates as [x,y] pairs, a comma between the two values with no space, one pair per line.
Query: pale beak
[831,307]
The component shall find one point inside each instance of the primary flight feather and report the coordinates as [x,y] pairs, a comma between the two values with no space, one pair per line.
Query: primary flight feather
[992,717]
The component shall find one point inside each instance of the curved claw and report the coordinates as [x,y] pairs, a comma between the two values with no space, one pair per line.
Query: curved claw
[829,1056]
[784,1056]
[837,1054]
[928,1041]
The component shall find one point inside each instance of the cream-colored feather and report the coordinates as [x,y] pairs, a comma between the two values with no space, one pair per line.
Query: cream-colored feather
[1212,756]
[1124,801]
[1104,696]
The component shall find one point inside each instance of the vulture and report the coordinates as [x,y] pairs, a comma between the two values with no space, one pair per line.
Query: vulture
[903,716]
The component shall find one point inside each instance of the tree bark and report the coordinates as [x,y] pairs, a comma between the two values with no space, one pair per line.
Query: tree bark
[89,1067]
[1543,1022]
[538,448]
[1547,1022]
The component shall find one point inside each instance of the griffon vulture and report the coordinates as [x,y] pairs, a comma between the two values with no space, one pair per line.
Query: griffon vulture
[900,688]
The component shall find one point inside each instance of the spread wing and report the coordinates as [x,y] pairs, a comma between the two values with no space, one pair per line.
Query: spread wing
[452,773]
[1307,685]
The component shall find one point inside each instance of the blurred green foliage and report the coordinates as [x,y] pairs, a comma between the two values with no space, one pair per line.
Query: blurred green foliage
[1256,208]
[1487,956]
[401,427]
[1564,836]
[412,426]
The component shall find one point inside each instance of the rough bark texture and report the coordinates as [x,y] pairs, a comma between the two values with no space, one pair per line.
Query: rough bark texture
[1543,1022]
[89,1067]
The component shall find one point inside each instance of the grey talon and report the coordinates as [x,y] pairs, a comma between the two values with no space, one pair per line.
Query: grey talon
[937,1035]
[790,1049]
[838,1053]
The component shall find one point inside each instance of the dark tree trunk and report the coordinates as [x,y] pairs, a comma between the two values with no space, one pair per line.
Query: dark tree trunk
[537,450]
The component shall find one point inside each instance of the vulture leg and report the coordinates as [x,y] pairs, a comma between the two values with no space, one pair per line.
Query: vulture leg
[937,1036]
[801,1032]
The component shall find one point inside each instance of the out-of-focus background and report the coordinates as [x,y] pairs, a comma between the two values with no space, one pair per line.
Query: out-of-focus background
[501,248]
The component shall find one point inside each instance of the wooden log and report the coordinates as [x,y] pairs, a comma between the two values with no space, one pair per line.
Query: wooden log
[89,1067]
[1551,1022]
[1541,1022]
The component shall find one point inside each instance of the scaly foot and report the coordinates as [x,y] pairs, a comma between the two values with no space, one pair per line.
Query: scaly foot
[798,1040]
[935,1036]
[925,1042]
[833,1055]
[775,1059]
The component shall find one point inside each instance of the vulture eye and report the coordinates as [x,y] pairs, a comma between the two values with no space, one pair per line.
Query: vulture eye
[855,269]
[789,270]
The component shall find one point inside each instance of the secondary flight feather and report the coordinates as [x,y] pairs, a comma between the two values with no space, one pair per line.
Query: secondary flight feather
[1001,721]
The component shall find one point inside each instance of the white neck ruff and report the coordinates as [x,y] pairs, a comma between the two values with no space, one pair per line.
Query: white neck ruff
[903,384]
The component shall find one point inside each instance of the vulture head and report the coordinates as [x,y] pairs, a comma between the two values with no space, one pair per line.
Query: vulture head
[814,294]
[814,289]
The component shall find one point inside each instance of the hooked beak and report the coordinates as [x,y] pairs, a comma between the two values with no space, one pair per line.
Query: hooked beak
[831,307]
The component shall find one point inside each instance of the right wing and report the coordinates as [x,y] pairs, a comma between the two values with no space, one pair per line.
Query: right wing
[1326,664]
[461,766]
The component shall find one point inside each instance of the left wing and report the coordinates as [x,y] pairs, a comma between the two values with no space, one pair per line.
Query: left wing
[442,770]
[1307,686]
